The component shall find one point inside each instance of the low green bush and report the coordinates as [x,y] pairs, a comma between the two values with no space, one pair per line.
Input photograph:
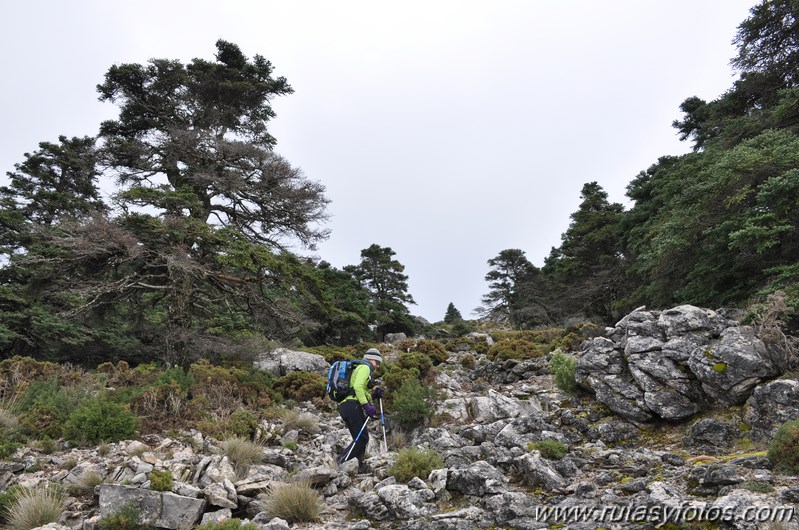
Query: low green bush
[563,368]
[176,375]
[241,423]
[127,518]
[468,361]
[301,386]
[161,480]
[514,349]
[412,404]
[45,407]
[783,451]
[414,462]
[418,360]
[434,349]
[550,449]
[100,420]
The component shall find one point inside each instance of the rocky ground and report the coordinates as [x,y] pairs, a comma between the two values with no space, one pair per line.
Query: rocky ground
[647,440]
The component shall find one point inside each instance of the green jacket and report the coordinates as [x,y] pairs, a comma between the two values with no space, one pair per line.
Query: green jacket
[359,381]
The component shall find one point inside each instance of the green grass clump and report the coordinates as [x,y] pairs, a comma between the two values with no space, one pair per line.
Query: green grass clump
[127,518]
[161,480]
[296,502]
[414,462]
[550,449]
[783,451]
[32,508]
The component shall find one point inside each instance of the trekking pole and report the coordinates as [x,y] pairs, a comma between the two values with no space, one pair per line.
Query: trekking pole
[383,423]
[355,441]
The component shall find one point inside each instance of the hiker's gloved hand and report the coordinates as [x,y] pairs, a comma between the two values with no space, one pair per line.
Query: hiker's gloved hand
[377,393]
[369,410]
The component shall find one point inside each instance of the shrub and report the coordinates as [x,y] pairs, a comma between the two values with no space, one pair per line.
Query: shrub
[433,349]
[242,423]
[411,406]
[32,508]
[468,361]
[301,386]
[242,453]
[417,360]
[127,518]
[394,376]
[481,347]
[757,486]
[563,368]
[414,462]
[783,451]
[514,349]
[99,420]
[45,407]
[228,524]
[176,375]
[295,502]
[551,449]
[161,480]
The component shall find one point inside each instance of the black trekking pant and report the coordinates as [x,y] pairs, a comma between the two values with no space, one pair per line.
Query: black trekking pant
[354,418]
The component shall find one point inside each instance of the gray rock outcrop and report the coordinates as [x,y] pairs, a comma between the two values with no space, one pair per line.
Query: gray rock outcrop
[281,361]
[673,364]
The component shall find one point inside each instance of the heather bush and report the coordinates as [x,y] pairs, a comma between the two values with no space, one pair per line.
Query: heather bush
[550,449]
[242,423]
[514,349]
[563,368]
[176,375]
[411,404]
[161,480]
[100,420]
[301,386]
[414,462]
[417,360]
[434,349]
[45,407]
[783,451]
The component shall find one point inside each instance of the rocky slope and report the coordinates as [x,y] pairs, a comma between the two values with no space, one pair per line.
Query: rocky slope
[665,433]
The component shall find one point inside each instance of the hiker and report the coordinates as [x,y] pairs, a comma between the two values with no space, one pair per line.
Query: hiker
[358,405]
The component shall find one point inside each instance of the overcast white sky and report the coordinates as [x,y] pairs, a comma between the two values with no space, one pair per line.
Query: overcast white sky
[448,130]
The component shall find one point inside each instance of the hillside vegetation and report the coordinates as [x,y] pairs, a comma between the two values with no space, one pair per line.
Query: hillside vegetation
[189,259]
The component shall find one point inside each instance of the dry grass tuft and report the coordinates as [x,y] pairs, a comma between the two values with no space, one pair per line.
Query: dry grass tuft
[295,502]
[242,453]
[34,508]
